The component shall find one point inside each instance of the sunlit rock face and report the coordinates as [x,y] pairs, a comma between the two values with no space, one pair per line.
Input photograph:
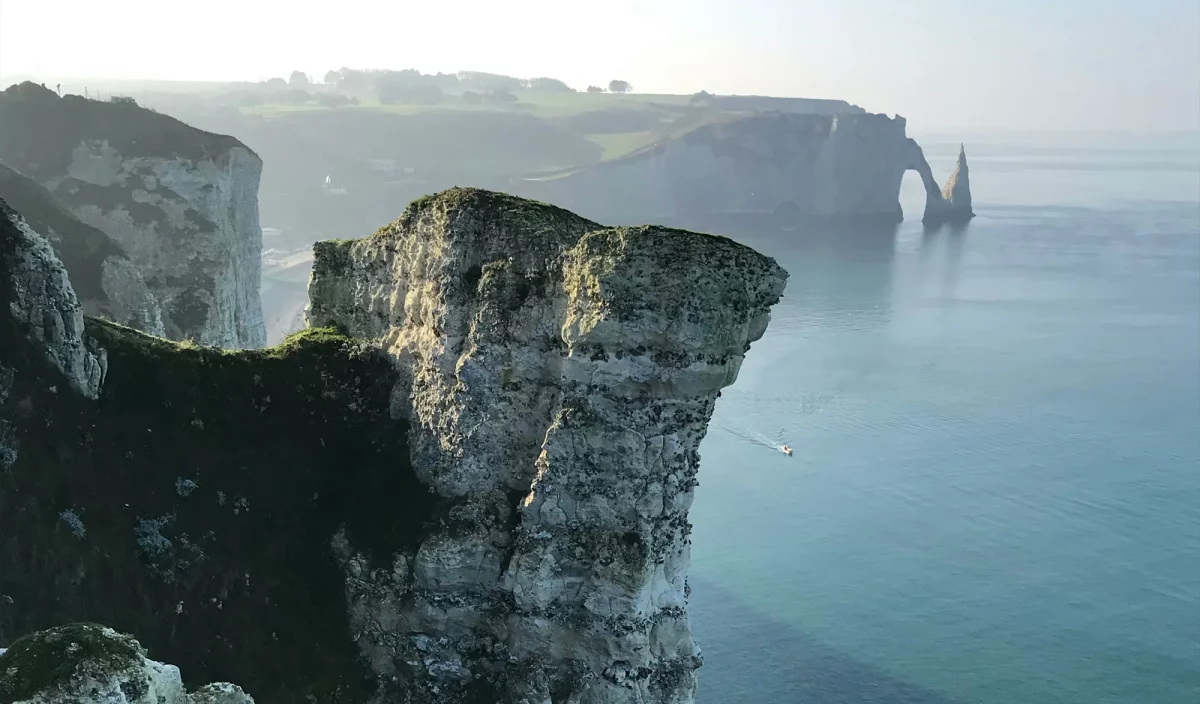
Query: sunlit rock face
[87,663]
[957,191]
[180,202]
[557,377]
[830,166]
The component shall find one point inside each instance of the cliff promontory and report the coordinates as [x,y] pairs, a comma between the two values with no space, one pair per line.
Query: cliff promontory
[182,203]
[830,166]
[468,481]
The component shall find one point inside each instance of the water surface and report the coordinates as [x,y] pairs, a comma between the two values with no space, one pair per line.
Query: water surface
[995,492]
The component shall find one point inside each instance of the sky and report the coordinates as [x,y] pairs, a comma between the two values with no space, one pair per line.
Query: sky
[1091,65]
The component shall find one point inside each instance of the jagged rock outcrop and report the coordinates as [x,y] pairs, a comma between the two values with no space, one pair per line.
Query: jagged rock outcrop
[957,191]
[844,166]
[480,496]
[557,377]
[44,310]
[182,203]
[86,663]
[107,282]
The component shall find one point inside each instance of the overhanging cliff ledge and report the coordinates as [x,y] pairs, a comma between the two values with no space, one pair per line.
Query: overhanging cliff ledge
[846,166]
[468,482]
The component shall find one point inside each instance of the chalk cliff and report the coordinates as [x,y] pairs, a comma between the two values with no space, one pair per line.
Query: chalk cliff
[90,664]
[107,282]
[843,166]
[182,203]
[957,191]
[557,377]
[469,484]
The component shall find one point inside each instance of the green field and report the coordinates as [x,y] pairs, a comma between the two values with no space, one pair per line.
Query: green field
[661,115]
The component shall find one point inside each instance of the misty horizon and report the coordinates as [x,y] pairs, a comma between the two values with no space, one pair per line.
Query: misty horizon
[1110,66]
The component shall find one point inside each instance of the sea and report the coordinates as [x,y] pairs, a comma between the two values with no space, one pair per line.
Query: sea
[994,495]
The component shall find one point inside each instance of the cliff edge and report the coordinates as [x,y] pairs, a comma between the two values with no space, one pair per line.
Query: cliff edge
[470,485]
[182,203]
[557,377]
[845,166]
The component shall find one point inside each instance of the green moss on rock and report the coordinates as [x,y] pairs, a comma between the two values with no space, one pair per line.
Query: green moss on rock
[52,659]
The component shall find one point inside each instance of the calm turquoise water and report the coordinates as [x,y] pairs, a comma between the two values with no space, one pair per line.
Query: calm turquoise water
[995,493]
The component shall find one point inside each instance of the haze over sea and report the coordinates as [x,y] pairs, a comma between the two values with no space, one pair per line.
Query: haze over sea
[995,492]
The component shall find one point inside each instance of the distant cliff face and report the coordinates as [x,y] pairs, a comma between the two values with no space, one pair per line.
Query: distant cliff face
[843,166]
[557,377]
[108,284]
[182,203]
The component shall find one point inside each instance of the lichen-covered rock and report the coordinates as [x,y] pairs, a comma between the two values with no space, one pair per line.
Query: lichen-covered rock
[106,281]
[830,166]
[558,377]
[85,663]
[182,203]
[42,303]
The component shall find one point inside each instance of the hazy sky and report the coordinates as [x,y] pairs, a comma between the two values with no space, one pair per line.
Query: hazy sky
[1023,64]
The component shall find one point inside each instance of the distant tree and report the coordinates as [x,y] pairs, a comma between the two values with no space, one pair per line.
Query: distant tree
[335,100]
[701,97]
[332,77]
[299,79]
[615,86]
[122,100]
[470,97]
[295,96]
[276,83]
[406,88]
[549,85]
[499,97]
[480,81]
[595,89]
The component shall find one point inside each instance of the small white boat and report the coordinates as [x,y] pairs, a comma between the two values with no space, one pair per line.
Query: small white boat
[785,450]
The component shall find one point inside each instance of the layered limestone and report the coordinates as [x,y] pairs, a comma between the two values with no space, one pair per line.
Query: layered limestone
[830,166]
[108,284]
[557,377]
[181,203]
[89,664]
[472,485]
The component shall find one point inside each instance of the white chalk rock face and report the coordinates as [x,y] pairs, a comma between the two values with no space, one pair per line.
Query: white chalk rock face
[90,664]
[957,191]
[558,377]
[181,203]
[42,301]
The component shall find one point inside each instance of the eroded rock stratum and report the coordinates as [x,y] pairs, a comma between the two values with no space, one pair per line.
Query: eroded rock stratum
[467,482]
